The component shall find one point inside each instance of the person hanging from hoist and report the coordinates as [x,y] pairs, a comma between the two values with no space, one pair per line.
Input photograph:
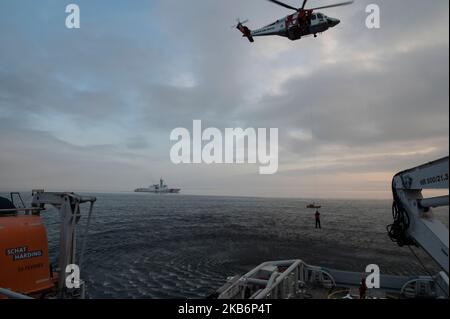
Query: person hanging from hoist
[317,216]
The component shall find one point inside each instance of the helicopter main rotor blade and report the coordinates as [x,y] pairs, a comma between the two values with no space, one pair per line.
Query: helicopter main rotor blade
[333,5]
[304,4]
[284,5]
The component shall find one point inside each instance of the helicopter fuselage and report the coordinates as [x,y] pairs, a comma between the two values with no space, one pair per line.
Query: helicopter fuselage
[298,25]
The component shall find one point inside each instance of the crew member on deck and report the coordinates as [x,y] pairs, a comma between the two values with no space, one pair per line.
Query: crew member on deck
[317,215]
[362,289]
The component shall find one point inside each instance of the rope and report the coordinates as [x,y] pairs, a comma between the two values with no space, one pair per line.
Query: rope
[398,230]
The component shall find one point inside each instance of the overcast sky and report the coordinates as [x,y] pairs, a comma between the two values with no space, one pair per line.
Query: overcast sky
[92,109]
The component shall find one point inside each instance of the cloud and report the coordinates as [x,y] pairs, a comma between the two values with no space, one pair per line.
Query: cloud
[104,99]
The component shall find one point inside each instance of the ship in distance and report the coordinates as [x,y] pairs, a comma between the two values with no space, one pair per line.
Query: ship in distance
[160,188]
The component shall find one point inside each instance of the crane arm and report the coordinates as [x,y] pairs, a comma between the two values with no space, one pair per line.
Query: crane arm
[414,221]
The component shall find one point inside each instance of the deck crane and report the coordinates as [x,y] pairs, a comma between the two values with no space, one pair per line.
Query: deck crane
[415,223]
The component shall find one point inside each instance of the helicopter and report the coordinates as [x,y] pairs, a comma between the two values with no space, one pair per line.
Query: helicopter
[304,22]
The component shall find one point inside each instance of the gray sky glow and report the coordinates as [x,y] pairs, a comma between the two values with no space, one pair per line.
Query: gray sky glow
[92,109]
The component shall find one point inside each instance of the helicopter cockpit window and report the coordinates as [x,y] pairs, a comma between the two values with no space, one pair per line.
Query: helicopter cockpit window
[320,16]
[313,17]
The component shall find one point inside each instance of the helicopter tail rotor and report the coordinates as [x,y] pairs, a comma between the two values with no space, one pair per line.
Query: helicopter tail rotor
[246,32]
[239,22]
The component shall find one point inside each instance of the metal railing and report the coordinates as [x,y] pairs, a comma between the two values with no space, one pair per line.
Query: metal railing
[279,285]
[12,295]
[33,210]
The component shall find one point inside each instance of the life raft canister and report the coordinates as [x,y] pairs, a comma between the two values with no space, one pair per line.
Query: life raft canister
[24,261]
